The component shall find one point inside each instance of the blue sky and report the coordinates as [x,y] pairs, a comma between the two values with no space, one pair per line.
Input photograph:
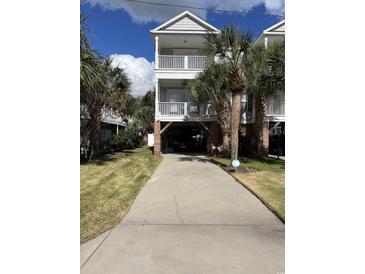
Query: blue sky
[121,28]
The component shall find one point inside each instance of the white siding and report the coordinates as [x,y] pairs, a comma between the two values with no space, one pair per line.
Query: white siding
[186,24]
[279,28]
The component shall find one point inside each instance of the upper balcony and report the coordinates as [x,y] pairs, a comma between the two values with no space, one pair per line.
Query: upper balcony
[179,44]
[181,62]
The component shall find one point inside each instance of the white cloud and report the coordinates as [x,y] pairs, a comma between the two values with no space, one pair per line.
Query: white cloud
[139,71]
[143,13]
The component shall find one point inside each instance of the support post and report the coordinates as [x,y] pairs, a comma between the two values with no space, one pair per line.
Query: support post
[185,62]
[157,139]
[186,109]
[266,42]
[156,52]
[117,129]
[157,97]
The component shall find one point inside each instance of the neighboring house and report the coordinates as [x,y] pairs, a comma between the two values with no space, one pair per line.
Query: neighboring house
[111,122]
[180,124]
[276,106]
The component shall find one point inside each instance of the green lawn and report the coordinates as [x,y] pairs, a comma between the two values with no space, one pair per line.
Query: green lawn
[268,183]
[109,185]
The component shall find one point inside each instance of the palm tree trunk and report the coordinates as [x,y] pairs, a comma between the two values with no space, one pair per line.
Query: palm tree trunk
[260,105]
[95,127]
[225,142]
[224,114]
[235,122]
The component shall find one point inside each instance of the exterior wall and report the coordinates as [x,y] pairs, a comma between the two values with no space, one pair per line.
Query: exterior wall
[164,92]
[186,24]
[182,51]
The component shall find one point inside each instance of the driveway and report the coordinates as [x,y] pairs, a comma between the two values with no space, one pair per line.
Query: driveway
[191,217]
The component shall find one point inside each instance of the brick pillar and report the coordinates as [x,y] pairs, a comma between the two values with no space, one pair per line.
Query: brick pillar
[265,139]
[157,138]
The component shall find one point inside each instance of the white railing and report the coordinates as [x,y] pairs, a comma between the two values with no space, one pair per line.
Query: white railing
[275,109]
[181,62]
[196,62]
[171,62]
[185,109]
[172,109]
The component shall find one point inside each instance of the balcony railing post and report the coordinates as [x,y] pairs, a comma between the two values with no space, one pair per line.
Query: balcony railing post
[186,109]
[156,53]
[185,62]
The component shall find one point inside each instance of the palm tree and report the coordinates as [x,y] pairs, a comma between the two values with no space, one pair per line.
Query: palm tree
[230,47]
[101,85]
[211,85]
[89,58]
[265,76]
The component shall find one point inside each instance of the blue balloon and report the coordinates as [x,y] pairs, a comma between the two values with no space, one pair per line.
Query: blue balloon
[235,163]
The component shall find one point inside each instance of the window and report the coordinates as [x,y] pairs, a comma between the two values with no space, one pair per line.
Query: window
[185,98]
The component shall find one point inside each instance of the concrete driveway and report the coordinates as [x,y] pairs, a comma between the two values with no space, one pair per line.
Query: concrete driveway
[191,217]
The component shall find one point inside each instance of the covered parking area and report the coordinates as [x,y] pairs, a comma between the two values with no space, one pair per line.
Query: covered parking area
[186,137]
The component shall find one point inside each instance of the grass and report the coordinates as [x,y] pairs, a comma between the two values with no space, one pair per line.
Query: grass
[108,186]
[268,183]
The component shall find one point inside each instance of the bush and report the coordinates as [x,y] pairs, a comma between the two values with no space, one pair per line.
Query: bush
[130,138]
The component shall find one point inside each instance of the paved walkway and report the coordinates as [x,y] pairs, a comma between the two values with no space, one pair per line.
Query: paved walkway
[191,217]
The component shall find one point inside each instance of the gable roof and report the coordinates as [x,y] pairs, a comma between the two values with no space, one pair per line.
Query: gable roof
[189,18]
[277,28]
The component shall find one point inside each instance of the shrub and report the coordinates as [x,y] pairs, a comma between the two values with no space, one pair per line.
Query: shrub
[130,138]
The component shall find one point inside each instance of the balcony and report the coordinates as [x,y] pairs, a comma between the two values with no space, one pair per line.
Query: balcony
[276,106]
[185,109]
[180,62]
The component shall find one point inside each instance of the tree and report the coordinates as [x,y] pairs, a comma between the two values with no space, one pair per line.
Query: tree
[265,71]
[211,85]
[145,112]
[101,85]
[230,47]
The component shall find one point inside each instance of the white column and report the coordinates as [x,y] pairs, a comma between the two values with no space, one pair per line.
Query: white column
[117,129]
[266,42]
[156,51]
[185,62]
[185,109]
[157,96]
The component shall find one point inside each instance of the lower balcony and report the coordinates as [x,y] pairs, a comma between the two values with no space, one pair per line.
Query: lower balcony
[275,109]
[185,111]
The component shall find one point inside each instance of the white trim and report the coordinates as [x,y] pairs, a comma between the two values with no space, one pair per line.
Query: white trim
[268,31]
[182,118]
[182,32]
[176,74]
[180,16]
[156,51]
[274,26]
